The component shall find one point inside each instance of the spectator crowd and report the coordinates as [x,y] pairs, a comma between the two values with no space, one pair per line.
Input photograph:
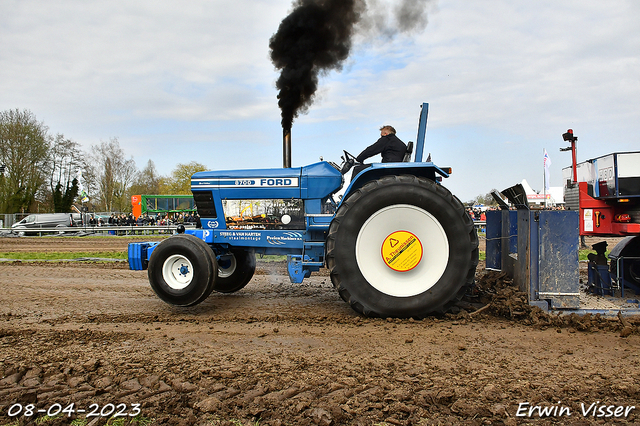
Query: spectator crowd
[145,220]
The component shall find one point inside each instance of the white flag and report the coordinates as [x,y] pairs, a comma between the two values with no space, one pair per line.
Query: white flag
[83,195]
[547,163]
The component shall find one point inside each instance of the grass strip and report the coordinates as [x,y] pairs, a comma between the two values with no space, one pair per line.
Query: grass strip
[62,255]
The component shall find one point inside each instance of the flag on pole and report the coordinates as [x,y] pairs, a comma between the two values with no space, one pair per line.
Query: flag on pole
[547,163]
[83,194]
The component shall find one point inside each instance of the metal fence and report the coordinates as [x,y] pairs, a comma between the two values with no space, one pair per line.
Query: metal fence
[97,230]
[480,225]
[9,219]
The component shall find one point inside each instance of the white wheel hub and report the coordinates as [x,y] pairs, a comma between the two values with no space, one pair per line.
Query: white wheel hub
[402,250]
[177,271]
[227,265]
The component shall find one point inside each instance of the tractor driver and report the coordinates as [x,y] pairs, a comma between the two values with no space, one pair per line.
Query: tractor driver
[389,146]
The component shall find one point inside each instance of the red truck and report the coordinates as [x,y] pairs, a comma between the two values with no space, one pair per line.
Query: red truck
[606,192]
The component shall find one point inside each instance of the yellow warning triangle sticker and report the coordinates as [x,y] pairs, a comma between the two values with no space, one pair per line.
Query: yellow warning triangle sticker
[393,242]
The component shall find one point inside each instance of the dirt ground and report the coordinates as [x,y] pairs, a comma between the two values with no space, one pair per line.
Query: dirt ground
[95,335]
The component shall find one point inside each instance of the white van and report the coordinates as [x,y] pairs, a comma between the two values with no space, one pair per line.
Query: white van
[47,220]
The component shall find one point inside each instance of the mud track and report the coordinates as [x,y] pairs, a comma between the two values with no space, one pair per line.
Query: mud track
[282,354]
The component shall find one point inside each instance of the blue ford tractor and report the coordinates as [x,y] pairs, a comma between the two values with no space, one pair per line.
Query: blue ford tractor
[397,243]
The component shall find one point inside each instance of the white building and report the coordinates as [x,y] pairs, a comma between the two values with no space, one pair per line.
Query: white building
[555,195]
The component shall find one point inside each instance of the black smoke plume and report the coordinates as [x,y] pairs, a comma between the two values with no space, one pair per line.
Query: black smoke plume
[314,38]
[384,20]
[317,37]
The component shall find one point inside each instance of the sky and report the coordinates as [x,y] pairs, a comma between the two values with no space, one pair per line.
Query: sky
[177,82]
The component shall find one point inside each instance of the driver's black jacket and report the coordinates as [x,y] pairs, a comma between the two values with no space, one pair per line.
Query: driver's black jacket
[391,148]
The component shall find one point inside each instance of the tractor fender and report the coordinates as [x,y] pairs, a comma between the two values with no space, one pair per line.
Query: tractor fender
[629,246]
[378,170]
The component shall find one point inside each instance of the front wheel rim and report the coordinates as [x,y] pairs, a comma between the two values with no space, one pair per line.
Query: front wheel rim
[416,221]
[227,265]
[177,272]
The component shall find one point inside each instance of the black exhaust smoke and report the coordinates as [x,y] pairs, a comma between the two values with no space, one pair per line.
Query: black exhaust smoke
[314,38]
[317,37]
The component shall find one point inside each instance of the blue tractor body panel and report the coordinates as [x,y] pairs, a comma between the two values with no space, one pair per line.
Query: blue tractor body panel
[252,238]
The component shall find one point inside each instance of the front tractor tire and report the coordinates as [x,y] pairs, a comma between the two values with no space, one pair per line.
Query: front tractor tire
[402,246]
[182,270]
[235,270]
[628,248]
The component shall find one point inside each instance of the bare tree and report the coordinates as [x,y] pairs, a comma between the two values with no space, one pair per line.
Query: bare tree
[146,181]
[24,149]
[113,175]
[65,160]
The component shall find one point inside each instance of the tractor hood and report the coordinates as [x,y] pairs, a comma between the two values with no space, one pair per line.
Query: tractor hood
[316,181]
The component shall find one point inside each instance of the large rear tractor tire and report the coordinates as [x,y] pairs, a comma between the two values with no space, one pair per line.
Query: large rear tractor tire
[402,246]
[182,270]
[235,270]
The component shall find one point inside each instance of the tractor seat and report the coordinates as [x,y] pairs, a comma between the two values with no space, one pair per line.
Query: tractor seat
[408,152]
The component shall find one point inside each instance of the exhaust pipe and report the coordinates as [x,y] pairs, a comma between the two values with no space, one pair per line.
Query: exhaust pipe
[286,148]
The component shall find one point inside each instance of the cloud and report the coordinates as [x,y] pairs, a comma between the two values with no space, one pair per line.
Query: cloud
[180,81]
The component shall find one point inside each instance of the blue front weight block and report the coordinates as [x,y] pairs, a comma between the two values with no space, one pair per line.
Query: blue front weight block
[138,254]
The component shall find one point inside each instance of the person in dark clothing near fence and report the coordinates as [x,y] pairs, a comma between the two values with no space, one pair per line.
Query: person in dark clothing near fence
[389,146]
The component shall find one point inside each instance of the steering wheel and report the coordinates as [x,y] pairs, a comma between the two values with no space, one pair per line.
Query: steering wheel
[349,161]
[350,157]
